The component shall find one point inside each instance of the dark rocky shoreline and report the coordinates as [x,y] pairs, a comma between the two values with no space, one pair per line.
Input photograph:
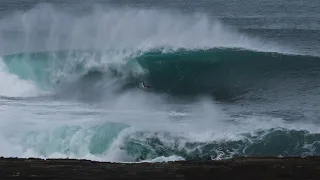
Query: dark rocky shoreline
[240,168]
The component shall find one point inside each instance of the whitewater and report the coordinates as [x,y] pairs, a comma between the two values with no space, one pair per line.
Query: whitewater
[70,87]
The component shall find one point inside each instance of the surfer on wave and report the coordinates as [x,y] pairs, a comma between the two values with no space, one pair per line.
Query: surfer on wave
[146,86]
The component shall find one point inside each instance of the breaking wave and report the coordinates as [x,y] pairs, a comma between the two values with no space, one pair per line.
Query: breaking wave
[105,55]
[224,73]
[118,142]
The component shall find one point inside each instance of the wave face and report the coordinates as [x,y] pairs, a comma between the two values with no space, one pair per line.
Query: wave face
[72,88]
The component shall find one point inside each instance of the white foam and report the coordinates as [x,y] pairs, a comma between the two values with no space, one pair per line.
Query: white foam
[165,159]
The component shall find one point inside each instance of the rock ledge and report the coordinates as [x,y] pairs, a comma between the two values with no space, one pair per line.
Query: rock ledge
[239,168]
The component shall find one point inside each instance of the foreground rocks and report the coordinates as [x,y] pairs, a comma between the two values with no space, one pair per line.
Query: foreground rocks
[241,168]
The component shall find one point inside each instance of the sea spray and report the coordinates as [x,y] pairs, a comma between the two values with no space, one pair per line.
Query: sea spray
[119,29]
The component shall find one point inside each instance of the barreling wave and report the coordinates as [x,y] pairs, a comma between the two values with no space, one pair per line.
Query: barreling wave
[222,72]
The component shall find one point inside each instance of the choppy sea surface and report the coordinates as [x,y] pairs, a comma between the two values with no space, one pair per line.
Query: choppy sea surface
[225,79]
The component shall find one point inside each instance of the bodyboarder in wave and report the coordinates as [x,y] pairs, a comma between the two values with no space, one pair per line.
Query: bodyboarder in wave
[146,86]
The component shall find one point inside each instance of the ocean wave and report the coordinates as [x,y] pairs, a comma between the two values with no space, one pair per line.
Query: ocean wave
[222,72]
[117,142]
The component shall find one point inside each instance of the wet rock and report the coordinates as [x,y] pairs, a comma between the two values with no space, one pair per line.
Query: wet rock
[239,168]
